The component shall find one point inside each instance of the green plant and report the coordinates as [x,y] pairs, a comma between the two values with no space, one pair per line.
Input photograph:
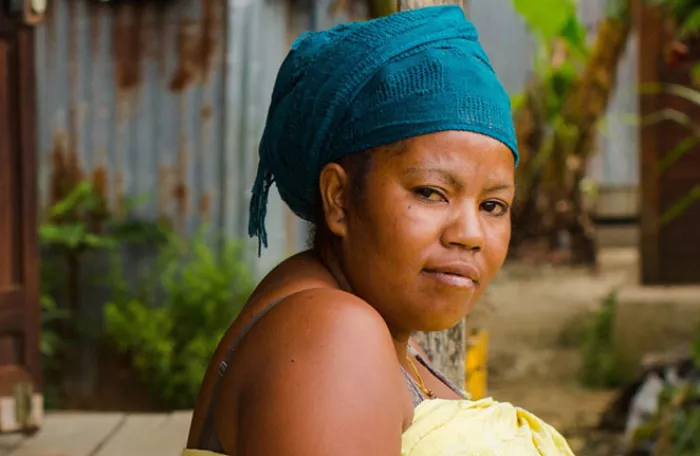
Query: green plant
[51,345]
[557,118]
[675,427]
[172,324]
[556,123]
[551,20]
[600,367]
[695,347]
[576,329]
[75,225]
[80,222]
[685,12]
[679,421]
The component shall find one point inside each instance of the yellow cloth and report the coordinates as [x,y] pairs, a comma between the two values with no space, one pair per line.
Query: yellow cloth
[473,428]
[479,428]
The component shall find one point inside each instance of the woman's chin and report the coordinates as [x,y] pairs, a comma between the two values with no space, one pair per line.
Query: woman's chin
[438,327]
[442,324]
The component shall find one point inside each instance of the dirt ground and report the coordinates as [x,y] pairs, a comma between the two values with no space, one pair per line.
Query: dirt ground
[525,311]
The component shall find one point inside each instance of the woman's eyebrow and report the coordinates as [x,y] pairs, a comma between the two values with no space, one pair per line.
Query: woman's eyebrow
[496,188]
[441,173]
[454,180]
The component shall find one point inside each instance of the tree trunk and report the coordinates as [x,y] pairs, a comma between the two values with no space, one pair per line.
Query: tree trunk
[379,8]
[530,124]
[551,203]
[447,349]
[584,107]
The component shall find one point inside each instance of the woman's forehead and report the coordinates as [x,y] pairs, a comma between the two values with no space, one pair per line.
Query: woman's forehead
[452,151]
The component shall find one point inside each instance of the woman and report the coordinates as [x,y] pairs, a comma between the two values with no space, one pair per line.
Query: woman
[394,136]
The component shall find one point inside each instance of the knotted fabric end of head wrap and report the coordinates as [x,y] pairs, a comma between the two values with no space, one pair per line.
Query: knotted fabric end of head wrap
[258,205]
[366,84]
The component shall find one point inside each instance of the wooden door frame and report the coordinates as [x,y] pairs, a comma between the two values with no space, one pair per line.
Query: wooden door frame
[29,203]
[648,21]
[20,307]
[656,265]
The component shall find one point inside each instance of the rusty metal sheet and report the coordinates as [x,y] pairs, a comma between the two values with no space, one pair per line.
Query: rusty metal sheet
[131,95]
[166,99]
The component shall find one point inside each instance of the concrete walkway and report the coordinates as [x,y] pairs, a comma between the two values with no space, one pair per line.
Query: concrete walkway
[102,434]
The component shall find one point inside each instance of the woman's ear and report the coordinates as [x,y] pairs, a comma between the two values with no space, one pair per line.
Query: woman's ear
[334,185]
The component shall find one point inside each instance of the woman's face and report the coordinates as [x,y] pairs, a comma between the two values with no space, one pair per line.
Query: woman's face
[431,229]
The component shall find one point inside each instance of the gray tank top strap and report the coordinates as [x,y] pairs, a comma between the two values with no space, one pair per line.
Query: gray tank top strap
[208,439]
[417,394]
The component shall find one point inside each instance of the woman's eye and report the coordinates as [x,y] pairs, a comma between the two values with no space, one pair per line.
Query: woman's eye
[429,194]
[496,208]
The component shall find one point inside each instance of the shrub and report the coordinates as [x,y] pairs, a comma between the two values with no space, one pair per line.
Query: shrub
[172,324]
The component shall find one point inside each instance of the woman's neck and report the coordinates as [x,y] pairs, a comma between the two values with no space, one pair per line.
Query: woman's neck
[333,265]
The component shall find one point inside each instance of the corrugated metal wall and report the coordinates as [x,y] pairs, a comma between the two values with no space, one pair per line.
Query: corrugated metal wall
[131,95]
[327,13]
[162,98]
[257,42]
[506,40]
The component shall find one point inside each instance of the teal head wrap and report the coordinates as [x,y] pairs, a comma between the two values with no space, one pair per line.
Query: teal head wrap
[362,85]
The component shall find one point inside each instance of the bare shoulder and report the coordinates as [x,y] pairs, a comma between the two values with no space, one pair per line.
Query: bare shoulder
[326,312]
[320,328]
[329,382]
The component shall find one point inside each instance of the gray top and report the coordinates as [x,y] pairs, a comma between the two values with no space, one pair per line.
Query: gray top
[208,439]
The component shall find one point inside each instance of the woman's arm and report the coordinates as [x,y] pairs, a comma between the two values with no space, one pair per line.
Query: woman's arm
[333,388]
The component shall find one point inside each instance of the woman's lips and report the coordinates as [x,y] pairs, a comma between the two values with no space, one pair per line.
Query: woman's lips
[451,279]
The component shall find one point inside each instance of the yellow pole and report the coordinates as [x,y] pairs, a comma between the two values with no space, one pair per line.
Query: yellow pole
[475,364]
